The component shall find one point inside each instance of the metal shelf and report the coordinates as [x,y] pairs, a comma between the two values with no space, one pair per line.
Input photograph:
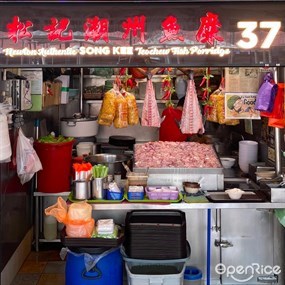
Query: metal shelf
[44,194]
[39,215]
[52,240]
[187,206]
[139,101]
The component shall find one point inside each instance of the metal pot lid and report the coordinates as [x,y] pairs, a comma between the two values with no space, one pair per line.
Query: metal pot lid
[122,141]
[72,119]
[106,158]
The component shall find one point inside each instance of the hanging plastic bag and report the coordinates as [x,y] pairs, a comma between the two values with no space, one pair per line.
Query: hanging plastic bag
[278,108]
[28,162]
[133,112]
[266,94]
[108,108]
[121,114]
[77,218]
[212,114]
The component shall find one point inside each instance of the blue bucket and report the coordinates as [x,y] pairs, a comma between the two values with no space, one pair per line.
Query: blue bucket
[96,266]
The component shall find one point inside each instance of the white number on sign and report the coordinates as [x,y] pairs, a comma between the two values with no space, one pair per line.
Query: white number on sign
[252,39]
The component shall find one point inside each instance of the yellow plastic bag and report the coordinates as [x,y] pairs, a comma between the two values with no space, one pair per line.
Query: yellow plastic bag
[77,218]
[133,112]
[121,114]
[108,108]
[217,112]
[212,114]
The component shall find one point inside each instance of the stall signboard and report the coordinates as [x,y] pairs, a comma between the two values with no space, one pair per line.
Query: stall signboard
[240,106]
[134,34]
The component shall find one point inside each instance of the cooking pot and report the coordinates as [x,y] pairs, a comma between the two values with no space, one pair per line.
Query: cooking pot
[79,127]
[113,161]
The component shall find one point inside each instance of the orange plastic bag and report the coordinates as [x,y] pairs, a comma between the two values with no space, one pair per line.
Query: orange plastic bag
[77,218]
[80,228]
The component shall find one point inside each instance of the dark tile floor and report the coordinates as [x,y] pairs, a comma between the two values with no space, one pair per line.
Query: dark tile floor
[42,268]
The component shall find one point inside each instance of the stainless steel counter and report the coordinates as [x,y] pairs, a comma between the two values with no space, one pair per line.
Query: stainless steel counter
[187,206]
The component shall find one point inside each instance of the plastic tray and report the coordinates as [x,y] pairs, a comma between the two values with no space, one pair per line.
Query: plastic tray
[147,200]
[163,195]
[91,242]
[95,201]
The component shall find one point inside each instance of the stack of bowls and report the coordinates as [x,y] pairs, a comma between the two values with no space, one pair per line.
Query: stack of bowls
[247,154]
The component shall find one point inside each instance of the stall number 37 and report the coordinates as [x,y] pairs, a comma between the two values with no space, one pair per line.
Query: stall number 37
[252,39]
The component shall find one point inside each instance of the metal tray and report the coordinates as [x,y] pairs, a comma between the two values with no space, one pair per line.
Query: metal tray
[222,197]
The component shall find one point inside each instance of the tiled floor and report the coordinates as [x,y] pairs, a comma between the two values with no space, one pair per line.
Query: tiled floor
[42,268]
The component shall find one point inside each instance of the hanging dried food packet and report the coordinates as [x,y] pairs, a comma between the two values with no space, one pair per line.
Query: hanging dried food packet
[133,112]
[108,108]
[121,114]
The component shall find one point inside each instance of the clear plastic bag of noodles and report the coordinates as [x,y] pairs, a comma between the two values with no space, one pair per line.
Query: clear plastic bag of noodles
[121,114]
[108,108]
[212,114]
[133,112]
[218,109]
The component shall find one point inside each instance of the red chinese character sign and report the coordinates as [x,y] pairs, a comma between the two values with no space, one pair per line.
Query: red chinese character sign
[171,30]
[209,29]
[57,29]
[135,26]
[96,29]
[19,30]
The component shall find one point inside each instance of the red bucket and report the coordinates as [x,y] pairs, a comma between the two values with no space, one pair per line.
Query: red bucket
[56,161]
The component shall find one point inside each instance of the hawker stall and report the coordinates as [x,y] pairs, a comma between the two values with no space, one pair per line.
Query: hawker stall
[156,135]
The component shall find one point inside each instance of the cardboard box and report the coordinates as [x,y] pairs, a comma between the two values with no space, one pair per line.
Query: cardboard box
[51,93]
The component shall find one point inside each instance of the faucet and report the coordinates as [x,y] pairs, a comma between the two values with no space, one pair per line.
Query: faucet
[223,243]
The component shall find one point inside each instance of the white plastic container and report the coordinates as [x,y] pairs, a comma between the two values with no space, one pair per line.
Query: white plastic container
[157,279]
[50,227]
[85,148]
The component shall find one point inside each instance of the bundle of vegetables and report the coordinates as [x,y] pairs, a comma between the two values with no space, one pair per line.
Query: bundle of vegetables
[99,171]
[51,138]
